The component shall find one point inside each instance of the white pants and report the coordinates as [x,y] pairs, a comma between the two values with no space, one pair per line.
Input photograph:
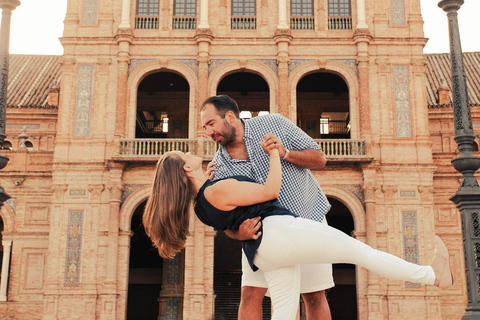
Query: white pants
[314,277]
[288,242]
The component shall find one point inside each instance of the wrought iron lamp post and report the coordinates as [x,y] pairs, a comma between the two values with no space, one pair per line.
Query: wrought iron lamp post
[467,197]
[7,6]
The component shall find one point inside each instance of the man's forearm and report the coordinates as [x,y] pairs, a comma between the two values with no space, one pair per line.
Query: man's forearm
[232,234]
[308,158]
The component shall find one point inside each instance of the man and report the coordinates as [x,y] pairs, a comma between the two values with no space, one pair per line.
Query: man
[241,154]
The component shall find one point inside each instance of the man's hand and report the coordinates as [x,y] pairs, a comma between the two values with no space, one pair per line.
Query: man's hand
[211,170]
[248,230]
[270,141]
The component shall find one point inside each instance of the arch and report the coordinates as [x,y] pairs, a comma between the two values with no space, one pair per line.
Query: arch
[8,216]
[130,204]
[160,66]
[255,67]
[334,67]
[351,202]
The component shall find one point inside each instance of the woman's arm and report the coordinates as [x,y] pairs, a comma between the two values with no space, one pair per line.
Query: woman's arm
[230,193]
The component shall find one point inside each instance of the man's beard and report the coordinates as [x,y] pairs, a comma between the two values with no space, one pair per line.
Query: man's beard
[228,133]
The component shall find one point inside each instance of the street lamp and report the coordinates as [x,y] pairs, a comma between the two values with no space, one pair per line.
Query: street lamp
[467,197]
[7,6]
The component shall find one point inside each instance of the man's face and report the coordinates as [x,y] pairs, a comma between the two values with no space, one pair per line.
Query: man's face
[217,127]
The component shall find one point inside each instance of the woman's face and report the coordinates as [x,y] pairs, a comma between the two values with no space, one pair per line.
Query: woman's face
[190,160]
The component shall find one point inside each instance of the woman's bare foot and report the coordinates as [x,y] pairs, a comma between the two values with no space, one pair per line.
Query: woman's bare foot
[441,265]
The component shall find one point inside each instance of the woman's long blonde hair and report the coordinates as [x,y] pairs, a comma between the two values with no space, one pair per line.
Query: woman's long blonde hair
[166,215]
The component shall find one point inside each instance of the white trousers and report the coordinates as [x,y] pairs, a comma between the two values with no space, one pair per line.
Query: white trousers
[288,242]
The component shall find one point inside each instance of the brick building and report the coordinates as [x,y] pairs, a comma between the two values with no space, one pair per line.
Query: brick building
[84,131]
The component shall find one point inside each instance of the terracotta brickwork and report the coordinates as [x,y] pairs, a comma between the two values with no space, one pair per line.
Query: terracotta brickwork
[80,185]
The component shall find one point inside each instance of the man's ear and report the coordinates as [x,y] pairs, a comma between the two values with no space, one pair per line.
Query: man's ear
[230,116]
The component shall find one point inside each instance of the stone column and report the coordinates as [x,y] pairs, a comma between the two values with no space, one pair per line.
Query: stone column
[203,15]
[124,39]
[125,23]
[7,247]
[362,39]
[203,37]
[282,15]
[282,39]
[361,23]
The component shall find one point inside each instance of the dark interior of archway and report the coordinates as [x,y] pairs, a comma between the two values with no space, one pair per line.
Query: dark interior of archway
[323,95]
[145,273]
[343,297]
[162,95]
[1,238]
[249,90]
[228,279]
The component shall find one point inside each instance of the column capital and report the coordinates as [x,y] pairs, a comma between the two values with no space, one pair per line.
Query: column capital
[9,4]
[450,5]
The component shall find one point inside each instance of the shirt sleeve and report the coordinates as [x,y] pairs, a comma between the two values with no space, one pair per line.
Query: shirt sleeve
[296,137]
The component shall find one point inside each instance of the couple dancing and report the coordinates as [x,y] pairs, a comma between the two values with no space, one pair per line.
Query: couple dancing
[280,248]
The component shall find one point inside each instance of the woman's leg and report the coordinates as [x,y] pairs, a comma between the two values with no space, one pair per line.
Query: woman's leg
[289,241]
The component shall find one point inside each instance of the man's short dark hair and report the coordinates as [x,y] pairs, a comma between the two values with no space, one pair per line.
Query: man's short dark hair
[223,104]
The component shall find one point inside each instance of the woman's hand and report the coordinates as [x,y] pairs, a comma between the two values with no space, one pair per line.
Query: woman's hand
[271,143]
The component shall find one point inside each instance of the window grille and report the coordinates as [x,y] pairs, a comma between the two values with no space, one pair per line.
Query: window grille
[301,17]
[339,15]
[147,14]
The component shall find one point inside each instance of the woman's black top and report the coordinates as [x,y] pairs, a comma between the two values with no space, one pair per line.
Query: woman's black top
[222,220]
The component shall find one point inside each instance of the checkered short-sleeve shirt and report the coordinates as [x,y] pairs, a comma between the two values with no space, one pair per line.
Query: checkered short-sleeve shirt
[300,191]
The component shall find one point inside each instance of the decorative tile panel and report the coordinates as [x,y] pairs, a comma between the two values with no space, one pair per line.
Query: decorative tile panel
[408,194]
[171,311]
[12,202]
[271,63]
[77,192]
[351,63]
[214,63]
[26,126]
[192,63]
[173,270]
[127,190]
[410,241]
[357,190]
[74,246]
[135,63]
[402,101]
[294,63]
[89,16]
[397,11]
[83,106]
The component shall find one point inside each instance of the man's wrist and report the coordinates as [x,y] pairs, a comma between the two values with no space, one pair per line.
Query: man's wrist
[287,152]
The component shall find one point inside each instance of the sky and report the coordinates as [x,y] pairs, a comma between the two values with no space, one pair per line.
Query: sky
[36,27]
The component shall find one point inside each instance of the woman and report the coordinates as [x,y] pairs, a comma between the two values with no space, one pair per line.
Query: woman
[285,242]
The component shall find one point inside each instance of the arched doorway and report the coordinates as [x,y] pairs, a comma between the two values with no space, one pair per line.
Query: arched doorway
[155,285]
[249,90]
[1,245]
[162,106]
[323,106]
[343,297]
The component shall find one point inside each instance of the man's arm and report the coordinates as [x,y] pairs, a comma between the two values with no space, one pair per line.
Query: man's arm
[306,158]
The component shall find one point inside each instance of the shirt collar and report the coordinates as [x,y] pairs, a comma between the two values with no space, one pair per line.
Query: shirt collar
[246,129]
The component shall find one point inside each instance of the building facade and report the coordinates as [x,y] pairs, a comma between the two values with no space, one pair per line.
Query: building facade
[84,132]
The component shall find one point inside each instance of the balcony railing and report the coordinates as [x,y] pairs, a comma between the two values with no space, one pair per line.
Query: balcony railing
[184,23]
[244,23]
[146,22]
[139,149]
[302,23]
[343,148]
[340,23]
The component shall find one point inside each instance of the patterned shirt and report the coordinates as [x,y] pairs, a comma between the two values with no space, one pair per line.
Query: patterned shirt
[300,191]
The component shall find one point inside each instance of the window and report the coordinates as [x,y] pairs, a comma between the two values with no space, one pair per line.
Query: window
[302,8]
[323,125]
[339,8]
[147,7]
[29,145]
[244,15]
[243,8]
[301,17]
[6,145]
[339,15]
[184,14]
[147,14]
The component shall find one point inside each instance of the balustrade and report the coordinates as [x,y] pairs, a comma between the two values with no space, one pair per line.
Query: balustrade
[302,23]
[184,23]
[340,23]
[243,23]
[146,22]
[145,148]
